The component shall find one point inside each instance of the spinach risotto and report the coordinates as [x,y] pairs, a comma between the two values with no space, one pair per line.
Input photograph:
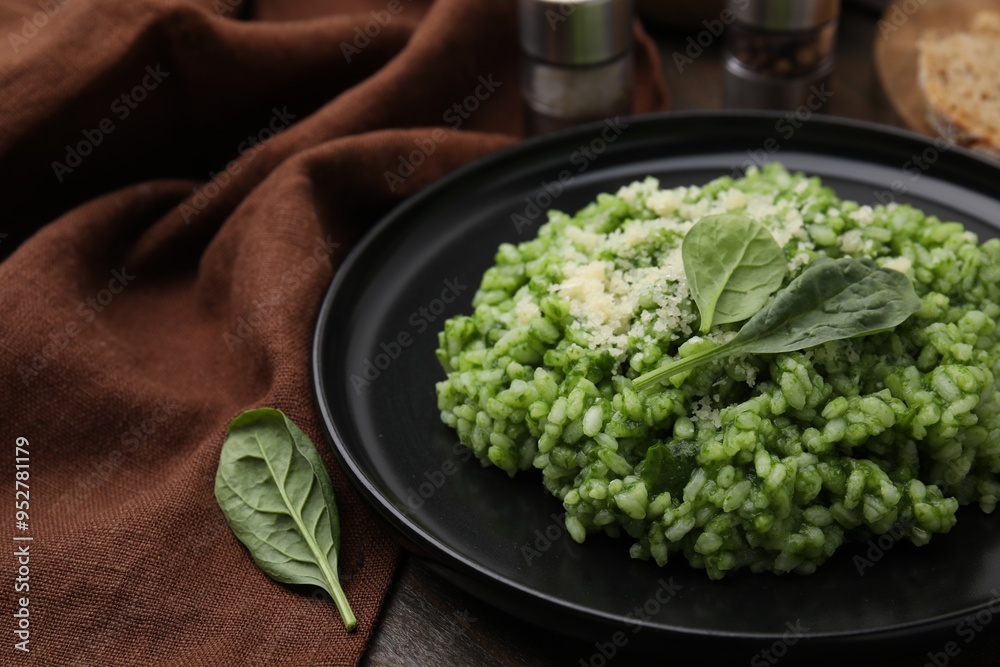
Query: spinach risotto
[749,372]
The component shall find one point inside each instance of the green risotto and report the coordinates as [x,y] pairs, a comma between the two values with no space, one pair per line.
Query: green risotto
[748,459]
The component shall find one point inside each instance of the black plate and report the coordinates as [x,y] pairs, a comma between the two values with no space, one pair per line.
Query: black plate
[503,539]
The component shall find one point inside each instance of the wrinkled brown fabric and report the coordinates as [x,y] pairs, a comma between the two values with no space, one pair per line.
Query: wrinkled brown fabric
[171,279]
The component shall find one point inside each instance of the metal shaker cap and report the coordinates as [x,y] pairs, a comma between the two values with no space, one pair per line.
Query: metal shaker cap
[785,14]
[575,32]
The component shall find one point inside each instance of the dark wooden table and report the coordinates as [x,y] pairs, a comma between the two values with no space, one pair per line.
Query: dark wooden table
[427,621]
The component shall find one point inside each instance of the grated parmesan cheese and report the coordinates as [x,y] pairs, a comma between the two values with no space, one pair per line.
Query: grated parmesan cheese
[526,310]
[733,199]
[850,241]
[696,210]
[864,216]
[589,240]
[641,296]
[704,412]
[663,202]
[901,264]
[631,191]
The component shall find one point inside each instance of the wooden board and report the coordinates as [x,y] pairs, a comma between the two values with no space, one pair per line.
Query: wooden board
[896,38]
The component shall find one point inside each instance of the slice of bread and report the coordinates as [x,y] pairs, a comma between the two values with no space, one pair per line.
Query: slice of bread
[960,78]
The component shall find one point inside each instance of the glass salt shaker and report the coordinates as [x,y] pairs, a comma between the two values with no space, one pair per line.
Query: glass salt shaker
[576,61]
[779,53]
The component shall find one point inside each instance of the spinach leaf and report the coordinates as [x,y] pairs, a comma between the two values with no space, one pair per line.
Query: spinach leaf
[732,265]
[829,300]
[277,497]
[668,466]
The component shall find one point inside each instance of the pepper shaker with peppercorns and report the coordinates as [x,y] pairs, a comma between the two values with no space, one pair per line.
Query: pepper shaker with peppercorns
[779,53]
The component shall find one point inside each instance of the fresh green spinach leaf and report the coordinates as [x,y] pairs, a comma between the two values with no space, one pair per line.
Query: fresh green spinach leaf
[732,265]
[277,497]
[829,300]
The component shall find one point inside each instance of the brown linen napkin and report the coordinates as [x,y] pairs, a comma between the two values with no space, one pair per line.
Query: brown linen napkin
[190,173]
